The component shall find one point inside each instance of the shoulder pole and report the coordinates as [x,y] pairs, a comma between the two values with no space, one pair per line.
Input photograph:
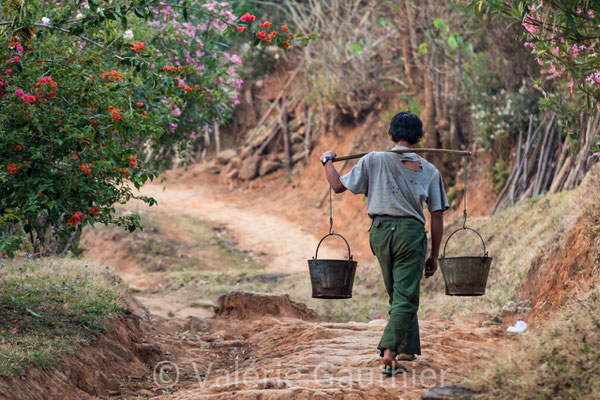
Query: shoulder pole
[416,150]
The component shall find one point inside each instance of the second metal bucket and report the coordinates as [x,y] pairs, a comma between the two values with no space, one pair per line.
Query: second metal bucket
[465,276]
[332,279]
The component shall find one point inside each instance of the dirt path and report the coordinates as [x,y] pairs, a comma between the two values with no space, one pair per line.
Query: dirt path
[289,358]
[286,358]
[285,246]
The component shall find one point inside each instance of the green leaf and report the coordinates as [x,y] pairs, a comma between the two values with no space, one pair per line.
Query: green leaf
[452,42]
[30,311]
[138,13]
[439,23]
[355,48]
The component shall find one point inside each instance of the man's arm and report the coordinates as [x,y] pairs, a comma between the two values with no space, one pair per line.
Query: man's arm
[333,177]
[437,230]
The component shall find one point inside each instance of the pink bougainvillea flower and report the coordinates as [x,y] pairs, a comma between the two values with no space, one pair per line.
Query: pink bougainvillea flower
[241,28]
[19,48]
[8,71]
[19,92]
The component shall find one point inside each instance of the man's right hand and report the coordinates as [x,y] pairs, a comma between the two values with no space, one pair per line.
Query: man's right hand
[328,153]
[431,265]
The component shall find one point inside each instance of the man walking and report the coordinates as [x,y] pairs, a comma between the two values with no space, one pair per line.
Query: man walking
[396,185]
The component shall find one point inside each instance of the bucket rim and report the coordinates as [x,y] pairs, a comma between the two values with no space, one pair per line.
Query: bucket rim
[466,257]
[332,259]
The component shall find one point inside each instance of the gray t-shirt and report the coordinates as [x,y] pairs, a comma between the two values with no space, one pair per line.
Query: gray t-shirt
[394,189]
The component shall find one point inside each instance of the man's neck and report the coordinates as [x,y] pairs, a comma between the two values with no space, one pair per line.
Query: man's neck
[403,143]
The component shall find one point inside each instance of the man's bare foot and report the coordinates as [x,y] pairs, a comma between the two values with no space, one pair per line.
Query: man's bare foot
[389,359]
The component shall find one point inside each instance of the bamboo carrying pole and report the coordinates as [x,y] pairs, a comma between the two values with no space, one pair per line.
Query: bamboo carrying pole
[418,150]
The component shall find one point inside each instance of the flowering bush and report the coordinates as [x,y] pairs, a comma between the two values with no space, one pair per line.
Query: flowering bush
[95,96]
[563,38]
[562,35]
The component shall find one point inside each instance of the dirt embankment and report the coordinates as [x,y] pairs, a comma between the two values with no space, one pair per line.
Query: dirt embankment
[114,366]
[571,265]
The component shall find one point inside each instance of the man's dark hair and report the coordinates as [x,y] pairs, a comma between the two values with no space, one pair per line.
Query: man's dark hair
[406,126]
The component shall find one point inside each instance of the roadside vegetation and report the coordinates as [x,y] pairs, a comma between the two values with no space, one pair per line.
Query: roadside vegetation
[48,307]
[557,361]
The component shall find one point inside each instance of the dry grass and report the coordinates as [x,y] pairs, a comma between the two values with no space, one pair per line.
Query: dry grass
[354,57]
[559,361]
[514,238]
[48,306]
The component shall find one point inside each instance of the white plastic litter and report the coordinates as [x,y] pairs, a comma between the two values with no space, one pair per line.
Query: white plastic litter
[519,327]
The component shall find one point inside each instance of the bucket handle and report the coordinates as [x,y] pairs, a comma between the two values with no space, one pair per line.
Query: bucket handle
[332,234]
[485,253]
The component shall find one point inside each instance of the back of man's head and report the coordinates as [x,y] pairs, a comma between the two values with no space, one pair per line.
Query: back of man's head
[407,127]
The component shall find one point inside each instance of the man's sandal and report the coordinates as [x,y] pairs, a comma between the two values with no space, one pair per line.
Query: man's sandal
[391,366]
[391,371]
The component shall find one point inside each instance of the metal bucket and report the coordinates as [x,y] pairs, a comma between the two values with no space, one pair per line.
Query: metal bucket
[332,279]
[465,276]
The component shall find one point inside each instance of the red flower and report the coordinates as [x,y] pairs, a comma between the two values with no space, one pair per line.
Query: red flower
[241,28]
[114,75]
[138,47]
[140,104]
[12,168]
[266,24]
[86,168]
[18,147]
[284,28]
[188,89]
[247,17]
[74,220]
[262,35]
[181,85]
[95,211]
[133,161]
[116,114]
